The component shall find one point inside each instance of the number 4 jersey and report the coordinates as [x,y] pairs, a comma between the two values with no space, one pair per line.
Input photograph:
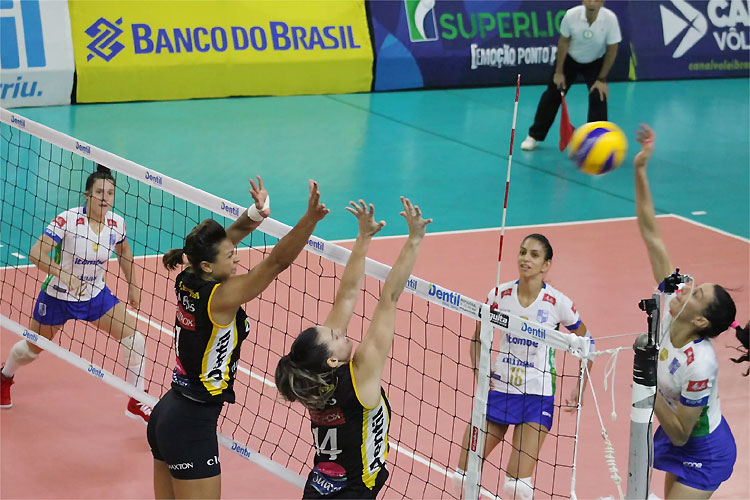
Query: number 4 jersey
[351,441]
[523,365]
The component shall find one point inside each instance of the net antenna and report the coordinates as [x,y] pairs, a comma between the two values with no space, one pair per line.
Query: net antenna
[478,418]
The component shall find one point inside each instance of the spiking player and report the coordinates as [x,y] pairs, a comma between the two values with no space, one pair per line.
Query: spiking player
[694,444]
[523,374]
[83,239]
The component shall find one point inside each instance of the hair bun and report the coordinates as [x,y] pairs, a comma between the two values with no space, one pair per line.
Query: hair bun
[101,168]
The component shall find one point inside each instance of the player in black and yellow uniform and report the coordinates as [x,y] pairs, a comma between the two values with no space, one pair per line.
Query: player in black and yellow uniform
[210,326]
[349,411]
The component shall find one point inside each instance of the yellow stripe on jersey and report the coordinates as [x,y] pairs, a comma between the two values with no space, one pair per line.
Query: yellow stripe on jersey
[217,357]
[208,308]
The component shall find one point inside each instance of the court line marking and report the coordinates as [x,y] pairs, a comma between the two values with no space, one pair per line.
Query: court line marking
[487,229]
[401,449]
[710,228]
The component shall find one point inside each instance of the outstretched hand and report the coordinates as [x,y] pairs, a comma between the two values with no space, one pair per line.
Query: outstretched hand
[646,137]
[260,195]
[315,208]
[413,215]
[365,215]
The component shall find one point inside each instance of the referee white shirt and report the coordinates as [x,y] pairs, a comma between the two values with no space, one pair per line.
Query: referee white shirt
[589,42]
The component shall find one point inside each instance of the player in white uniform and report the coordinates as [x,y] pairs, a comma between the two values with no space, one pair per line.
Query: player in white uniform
[693,444]
[522,387]
[83,240]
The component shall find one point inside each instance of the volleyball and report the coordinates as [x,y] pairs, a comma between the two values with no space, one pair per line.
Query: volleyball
[598,147]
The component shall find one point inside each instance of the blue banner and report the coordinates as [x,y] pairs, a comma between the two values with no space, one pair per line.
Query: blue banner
[429,43]
[689,39]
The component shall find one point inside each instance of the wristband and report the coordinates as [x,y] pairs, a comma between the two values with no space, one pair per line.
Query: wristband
[254,213]
[603,80]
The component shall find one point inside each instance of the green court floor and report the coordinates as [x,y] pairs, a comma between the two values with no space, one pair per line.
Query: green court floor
[447,149]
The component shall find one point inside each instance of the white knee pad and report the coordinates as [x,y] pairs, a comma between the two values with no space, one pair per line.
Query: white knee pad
[22,353]
[520,489]
[133,351]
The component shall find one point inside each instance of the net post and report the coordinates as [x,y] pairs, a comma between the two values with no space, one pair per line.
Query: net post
[643,397]
[478,432]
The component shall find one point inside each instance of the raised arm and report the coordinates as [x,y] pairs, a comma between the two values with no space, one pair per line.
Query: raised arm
[644,208]
[351,281]
[240,289]
[244,224]
[369,359]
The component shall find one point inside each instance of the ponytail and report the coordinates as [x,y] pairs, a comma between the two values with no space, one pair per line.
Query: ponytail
[173,258]
[742,336]
[202,244]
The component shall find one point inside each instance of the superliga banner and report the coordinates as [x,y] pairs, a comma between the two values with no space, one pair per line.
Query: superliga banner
[690,39]
[429,43]
[129,50]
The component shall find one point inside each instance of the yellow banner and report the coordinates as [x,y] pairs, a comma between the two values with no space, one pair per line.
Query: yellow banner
[129,50]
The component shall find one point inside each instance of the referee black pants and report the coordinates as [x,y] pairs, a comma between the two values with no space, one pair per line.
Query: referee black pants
[550,100]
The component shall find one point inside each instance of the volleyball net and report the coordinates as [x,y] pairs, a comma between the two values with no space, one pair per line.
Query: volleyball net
[434,390]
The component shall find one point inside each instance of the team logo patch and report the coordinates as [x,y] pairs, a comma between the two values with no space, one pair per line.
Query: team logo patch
[328,418]
[111,223]
[542,315]
[42,309]
[95,246]
[690,356]
[80,221]
[184,318]
[573,308]
[697,385]
[549,298]
[506,293]
[60,221]
[112,239]
[328,478]
[663,354]
[674,365]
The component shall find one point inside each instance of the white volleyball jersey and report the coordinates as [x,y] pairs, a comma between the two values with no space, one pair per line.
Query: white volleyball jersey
[81,252]
[688,375]
[523,365]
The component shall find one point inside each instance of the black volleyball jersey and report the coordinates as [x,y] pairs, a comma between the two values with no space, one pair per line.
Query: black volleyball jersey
[351,441]
[207,353]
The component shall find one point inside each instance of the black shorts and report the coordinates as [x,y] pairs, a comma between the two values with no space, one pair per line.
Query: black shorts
[182,433]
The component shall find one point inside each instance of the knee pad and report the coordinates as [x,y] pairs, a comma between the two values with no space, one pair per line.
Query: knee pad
[520,489]
[135,343]
[22,353]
